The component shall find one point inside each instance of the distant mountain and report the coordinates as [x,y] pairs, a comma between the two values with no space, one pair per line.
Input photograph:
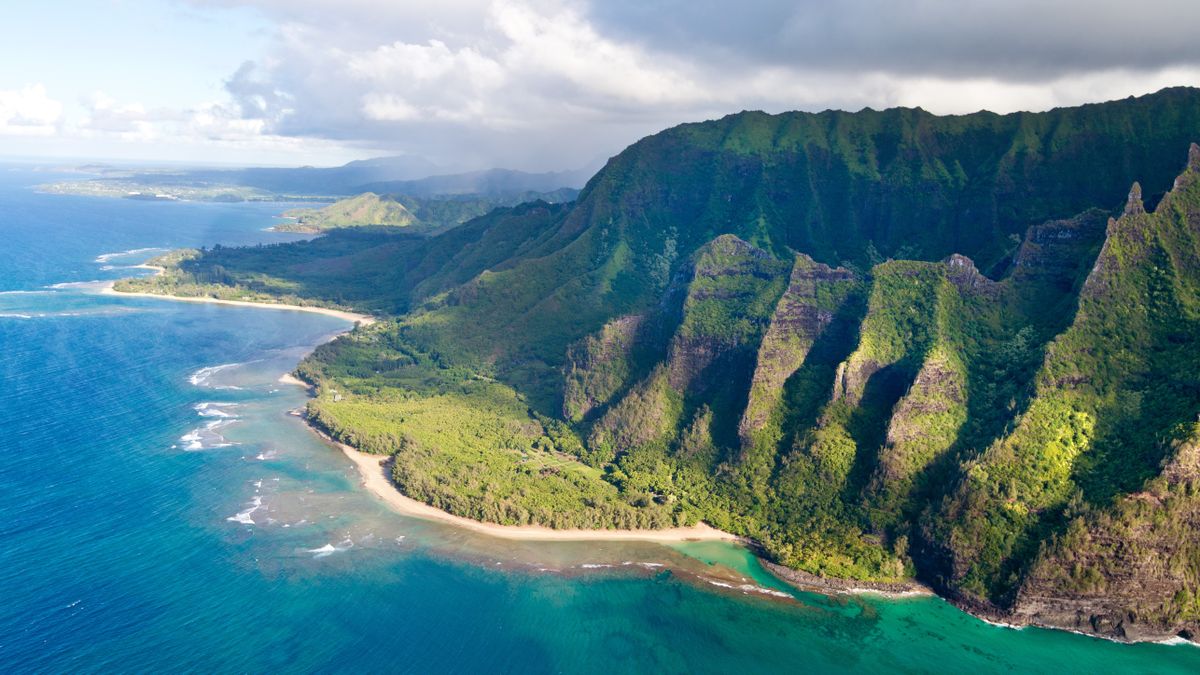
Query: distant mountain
[490,182]
[364,209]
[340,180]
[403,175]
[418,214]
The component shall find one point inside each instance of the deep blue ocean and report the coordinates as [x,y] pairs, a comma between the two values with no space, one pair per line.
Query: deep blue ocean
[160,510]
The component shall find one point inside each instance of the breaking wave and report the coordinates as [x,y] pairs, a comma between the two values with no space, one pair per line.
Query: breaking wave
[105,257]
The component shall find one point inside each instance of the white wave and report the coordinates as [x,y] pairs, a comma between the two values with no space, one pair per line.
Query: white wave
[215,409]
[14,315]
[192,440]
[594,566]
[79,284]
[244,517]
[201,377]
[105,257]
[265,456]
[330,549]
[750,588]
[208,436]
[23,292]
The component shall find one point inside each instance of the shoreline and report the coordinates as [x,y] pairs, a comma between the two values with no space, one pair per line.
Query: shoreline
[375,479]
[353,317]
[372,470]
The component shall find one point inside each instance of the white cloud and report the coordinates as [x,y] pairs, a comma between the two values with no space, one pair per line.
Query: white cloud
[557,83]
[554,83]
[29,112]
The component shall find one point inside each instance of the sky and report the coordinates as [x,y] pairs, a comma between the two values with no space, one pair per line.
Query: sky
[537,84]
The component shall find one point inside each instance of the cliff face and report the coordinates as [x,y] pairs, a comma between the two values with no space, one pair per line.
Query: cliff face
[1131,572]
[1111,393]
[729,295]
[600,365]
[814,296]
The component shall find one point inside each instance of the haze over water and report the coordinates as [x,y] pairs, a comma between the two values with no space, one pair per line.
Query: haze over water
[160,509]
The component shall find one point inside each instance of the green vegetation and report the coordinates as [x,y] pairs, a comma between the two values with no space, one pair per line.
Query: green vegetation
[462,443]
[774,324]
[418,214]
[365,209]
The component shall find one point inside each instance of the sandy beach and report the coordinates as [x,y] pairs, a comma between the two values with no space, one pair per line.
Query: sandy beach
[361,319]
[375,479]
[288,378]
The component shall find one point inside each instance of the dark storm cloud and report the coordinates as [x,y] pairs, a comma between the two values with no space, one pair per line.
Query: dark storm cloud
[1015,40]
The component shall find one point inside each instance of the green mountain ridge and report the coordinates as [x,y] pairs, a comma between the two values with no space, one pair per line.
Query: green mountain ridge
[881,344]
[419,214]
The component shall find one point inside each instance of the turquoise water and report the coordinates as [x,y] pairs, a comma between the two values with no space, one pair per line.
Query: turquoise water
[161,510]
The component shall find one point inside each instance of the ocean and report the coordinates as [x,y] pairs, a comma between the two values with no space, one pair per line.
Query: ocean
[161,510]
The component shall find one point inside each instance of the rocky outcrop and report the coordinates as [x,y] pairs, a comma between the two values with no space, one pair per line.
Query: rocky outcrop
[1133,203]
[724,312]
[598,367]
[1113,385]
[1059,252]
[807,581]
[924,425]
[1131,572]
[901,310]
[798,320]
[961,272]
[732,288]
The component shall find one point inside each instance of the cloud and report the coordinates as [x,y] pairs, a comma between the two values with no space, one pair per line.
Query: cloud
[1010,40]
[542,84]
[553,83]
[28,112]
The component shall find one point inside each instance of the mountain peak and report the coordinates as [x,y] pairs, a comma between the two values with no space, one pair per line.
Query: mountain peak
[1133,205]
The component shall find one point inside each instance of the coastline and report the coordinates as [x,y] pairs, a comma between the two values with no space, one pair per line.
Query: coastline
[375,479]
[805,581]
[373,471]
[353,317]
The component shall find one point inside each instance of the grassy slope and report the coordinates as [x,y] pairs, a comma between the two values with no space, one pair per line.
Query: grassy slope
[365,209]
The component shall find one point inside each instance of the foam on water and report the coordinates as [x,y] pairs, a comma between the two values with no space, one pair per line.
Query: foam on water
[106,257]
[90,284]
[215,409]
[245,517]
[201,377]
[209,436]
[330,549]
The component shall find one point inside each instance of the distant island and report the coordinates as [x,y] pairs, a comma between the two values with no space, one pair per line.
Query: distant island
[888,347]
[129,189]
